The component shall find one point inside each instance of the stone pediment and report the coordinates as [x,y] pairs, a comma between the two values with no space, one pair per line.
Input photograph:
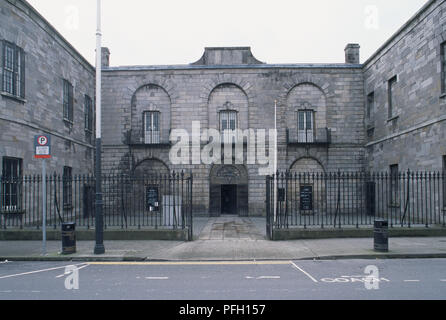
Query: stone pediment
[227,56]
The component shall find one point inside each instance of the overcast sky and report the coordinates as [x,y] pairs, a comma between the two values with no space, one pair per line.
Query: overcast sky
[163,32]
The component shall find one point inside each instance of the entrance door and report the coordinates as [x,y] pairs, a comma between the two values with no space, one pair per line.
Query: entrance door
[229,199]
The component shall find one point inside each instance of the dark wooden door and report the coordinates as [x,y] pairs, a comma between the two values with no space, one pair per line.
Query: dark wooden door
[229,199]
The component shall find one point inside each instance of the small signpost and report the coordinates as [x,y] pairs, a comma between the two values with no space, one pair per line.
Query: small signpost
[152,198]
[306,198]
[42,150]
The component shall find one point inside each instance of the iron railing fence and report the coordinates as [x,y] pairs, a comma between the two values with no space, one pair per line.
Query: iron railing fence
[340,199]
[155,201]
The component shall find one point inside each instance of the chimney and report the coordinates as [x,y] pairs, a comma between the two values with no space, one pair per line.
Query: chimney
[105,57]
[352,53]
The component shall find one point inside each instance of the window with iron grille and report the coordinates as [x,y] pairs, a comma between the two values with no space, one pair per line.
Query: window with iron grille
[68,101]
[13,65]
[152,127]
[443,67]
[305,126]
[228,124]
[391,97]
[394,186]
[11,185]
[88,106]
[67,181]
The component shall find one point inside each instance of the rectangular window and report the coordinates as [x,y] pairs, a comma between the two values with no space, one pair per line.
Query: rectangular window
[391,94]
[13,66]
[88,106]
[228,123]
[443,67]
[394,186]
[11,185]
[67,181]
[68,101]
[228,120]
[370,105]
[152,127]
[305,126]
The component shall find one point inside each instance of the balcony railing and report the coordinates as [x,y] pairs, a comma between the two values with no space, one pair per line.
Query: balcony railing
[320,137]
[147,139]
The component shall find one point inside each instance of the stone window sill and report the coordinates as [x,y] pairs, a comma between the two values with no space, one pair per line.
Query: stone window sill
[393,118]
[12,97]
[68,122]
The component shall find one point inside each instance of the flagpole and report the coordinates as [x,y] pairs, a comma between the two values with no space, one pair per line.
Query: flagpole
[275,162]
[99,225]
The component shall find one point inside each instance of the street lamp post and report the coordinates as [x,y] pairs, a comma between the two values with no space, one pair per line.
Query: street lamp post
[276,175]
[99,225]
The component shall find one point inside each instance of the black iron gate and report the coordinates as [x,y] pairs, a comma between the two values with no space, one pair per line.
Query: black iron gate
[354,199]
[129,202]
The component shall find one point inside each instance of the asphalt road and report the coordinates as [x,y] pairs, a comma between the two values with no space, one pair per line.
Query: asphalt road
[275,280]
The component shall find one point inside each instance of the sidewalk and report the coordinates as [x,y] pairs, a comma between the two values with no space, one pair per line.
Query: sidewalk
[227,239]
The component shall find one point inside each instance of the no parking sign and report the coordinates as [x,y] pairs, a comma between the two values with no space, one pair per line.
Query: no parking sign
[42,150]
[42,147]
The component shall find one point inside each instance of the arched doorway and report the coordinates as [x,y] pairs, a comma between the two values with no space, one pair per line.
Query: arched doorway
[151,185]
[228,190]
[307,187]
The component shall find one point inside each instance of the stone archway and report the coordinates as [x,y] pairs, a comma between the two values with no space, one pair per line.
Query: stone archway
[153,167]
[228,190]
[307,188]
[149,186]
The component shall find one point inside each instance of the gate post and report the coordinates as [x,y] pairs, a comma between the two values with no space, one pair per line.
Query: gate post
[269,226]
[191,215]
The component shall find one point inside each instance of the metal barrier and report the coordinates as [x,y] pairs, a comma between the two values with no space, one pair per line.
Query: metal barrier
[340,199]
[155,201]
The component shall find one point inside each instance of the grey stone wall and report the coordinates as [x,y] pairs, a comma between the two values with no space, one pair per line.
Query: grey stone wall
[49,59]
[415,137]
[198,93]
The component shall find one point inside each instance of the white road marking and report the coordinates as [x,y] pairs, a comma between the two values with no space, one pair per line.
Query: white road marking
[37,271]
[67,273]
[443,280]
[157,278]
[191,263]
[263,277]
[304,272]
[411,280]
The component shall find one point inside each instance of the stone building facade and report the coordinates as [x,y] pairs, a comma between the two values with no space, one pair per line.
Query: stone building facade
[385,114]
[46,87]
[405,96]
[327,100]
